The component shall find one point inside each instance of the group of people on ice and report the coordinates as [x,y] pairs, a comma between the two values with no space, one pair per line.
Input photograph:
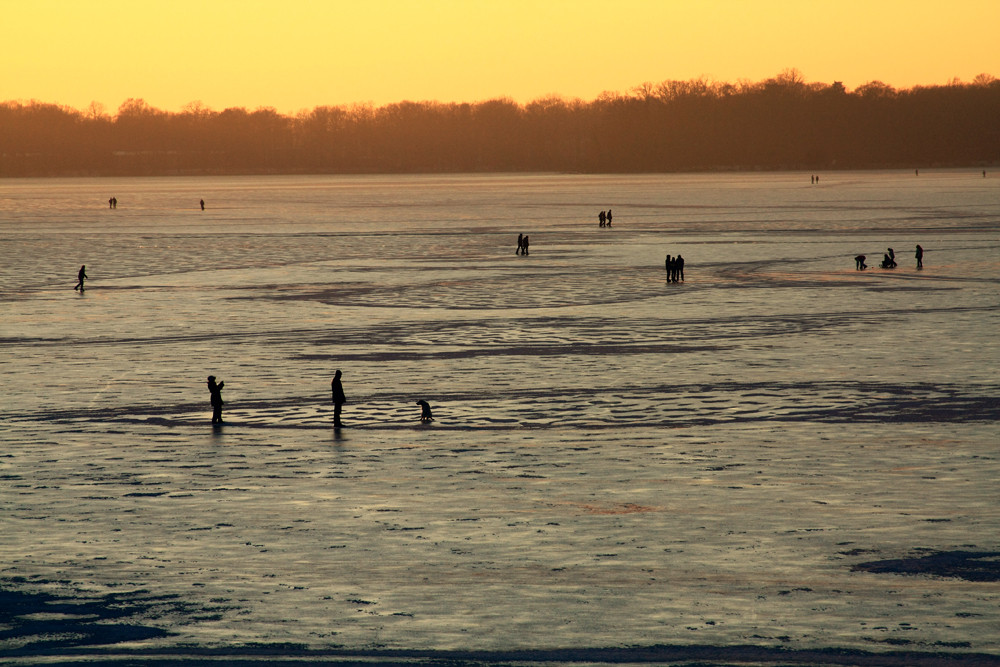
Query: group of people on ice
[889,260]
[675,268]
[337,394]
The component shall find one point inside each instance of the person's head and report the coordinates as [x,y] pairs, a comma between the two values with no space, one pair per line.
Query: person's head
[336,376]
[211,378]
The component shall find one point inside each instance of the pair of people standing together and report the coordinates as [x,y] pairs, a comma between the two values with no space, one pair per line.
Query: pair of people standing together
[522,245]
[215,391]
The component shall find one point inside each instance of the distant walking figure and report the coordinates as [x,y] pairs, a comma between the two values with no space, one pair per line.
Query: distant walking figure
[609,218]
[679,267]
[425,411]
[602,218]
[203,204]
[80,277]
[520,244]
[920,257]
[859,263]
[524,245]
[892,258]
[216,392]
[111,203]
[668,264]
[338,397]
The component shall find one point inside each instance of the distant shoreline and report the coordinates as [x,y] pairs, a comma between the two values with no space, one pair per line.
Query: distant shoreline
[782,123]
[936,168]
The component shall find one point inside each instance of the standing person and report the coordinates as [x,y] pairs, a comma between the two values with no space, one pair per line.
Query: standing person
[203,204]
[892,258]
[337,389]
[80,277]
[602,218]
[609,218]
[524,245]
[111,202]
[520,244]
[679,263]
[920,257]
[216,398]
[668,264]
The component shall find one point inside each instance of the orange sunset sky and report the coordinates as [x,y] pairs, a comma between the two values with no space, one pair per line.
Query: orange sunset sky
[298,54]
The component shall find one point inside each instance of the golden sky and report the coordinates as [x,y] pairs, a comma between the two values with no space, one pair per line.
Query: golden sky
[299,54]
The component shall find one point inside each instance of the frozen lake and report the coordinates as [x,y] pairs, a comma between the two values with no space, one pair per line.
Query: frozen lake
[616,461]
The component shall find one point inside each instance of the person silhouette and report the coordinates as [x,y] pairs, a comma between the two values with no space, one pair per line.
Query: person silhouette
[425,411]
[216,398]
[602,218]
[920,257]
[202,204]
[520,244]
[81,276]
[608,217]
[668,264]
[679,268]
[524,245]
[859,263]
[111,202]
[339,398]
[892,258]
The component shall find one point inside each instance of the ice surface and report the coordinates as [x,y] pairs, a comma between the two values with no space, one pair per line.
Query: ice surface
[616,461]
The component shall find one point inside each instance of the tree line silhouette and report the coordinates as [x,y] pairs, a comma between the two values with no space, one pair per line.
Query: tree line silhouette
[779,123]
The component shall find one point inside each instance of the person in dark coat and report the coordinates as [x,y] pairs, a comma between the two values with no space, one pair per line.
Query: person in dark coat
[920,257]
[82,275]
[679,268]
[216,391]
[337,389]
